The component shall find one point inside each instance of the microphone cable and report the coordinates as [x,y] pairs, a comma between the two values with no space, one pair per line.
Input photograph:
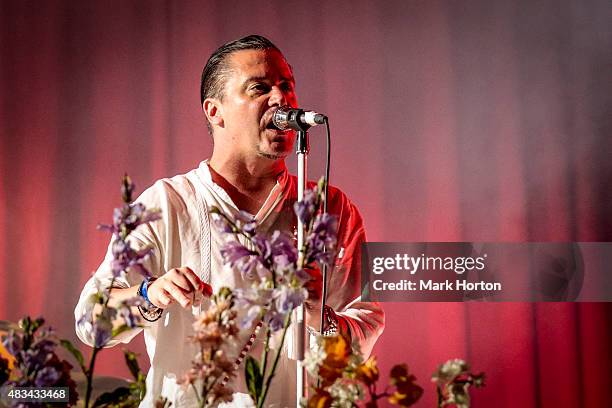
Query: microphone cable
[324,271]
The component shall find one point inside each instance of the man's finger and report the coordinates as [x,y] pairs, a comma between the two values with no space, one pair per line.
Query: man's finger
[178,294]
[163,300]
[194,280]
[179,278]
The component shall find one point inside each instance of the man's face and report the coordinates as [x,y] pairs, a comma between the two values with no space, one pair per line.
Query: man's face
[258,81]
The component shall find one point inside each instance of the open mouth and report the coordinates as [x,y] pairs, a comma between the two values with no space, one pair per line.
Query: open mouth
[267,117]
[270,125]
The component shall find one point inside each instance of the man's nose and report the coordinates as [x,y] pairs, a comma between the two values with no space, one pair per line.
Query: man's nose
[277,97]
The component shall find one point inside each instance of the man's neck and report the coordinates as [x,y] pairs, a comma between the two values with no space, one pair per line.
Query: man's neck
[248,183]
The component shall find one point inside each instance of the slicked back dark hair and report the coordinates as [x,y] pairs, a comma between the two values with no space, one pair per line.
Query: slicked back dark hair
[216,68]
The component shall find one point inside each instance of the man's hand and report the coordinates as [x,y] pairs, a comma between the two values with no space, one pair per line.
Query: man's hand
[179,285]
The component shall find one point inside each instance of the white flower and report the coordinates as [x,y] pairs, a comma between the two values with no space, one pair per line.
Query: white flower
[345,393]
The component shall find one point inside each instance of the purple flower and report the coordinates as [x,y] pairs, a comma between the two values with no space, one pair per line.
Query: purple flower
[139,215]
[221,223]
[47,376]
[253,296]
[326,224]
[263,246]
[234,251]
[282,263]
[37,356]
[131,320]
[322,239]
[36,364]
[248,267]
[275,320]
[243,222]
[128,217]
[86,322]
[255,300]
[288,298]
[252,314]
[13,343]
[246,222]
[262,271]
[125,257]
[306,208]
[103,326]
[103,332]
[247,261]
[284,245]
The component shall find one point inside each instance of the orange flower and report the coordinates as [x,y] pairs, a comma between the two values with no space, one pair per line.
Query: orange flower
[320,399]
[368,371]
[337,353]
[7,356]
[407,392]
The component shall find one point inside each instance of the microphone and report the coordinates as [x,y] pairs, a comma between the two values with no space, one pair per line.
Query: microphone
[286,117]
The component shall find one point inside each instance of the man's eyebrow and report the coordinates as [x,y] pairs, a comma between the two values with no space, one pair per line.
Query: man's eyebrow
[252,79]
[264,79]
[255,78]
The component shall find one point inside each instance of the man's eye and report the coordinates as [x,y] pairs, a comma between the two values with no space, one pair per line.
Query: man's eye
[260,87]
[286,87]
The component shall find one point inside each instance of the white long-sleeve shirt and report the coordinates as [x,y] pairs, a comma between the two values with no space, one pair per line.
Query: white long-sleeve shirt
[184,237]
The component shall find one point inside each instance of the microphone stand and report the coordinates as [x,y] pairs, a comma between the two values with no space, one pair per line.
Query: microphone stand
[303,149]
[294,119]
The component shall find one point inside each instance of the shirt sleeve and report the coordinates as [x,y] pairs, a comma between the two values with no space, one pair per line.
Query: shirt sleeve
[366,320]
[145,236]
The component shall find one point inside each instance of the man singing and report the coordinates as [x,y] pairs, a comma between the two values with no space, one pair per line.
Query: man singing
[243,82]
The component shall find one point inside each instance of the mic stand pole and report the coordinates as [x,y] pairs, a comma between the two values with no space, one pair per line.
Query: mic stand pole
[303,148]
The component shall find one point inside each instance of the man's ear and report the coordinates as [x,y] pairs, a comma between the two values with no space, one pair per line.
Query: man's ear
[213,111]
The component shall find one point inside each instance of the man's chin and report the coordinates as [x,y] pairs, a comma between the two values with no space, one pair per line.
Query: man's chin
[273,156]
[275,150]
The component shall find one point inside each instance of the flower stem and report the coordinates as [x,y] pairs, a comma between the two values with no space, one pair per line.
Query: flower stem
[264,355]
[89,376]
[262,398]
[92,361]
[195,391]
[440,397]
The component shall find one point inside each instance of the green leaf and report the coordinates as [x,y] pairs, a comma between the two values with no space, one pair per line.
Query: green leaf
[108,399]
[138,390]
[118,330]
[76,353]
[132,363]
[253,377]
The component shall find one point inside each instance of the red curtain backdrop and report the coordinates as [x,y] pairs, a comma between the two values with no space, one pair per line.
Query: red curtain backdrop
[451,121]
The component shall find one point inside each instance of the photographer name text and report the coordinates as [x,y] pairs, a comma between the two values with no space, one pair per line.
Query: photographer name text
[410,265]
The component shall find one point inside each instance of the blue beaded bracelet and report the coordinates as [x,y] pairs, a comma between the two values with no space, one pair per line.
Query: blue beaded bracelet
[151,312]
[144,286]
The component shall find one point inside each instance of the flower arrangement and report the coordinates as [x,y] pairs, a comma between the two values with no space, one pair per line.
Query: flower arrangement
[111,321]
[345,380]
[35,361]
[215,334]
[279,277]
[33,347]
